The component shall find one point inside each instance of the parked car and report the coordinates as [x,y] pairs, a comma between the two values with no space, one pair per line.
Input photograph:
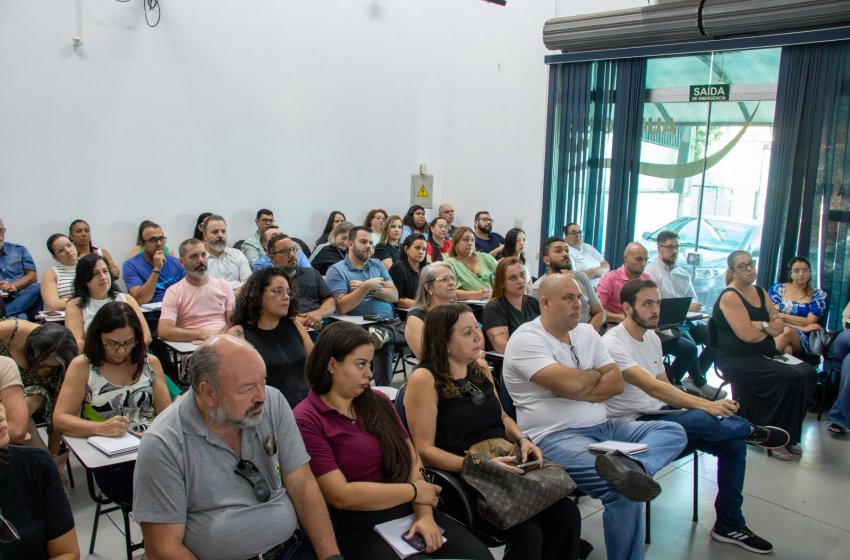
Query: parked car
[718,236]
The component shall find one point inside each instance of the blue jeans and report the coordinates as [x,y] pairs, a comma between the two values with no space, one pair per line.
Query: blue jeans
[622,518]
[684,352]
[697,332]
[726,440]
[840,349]
[26,301]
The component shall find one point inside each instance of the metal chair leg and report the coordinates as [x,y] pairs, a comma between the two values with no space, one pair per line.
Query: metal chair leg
[695,518]
[648,525]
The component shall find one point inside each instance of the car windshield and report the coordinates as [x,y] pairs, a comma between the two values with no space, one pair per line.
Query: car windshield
[715,235]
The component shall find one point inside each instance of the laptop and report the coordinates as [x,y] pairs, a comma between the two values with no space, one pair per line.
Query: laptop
[673,312]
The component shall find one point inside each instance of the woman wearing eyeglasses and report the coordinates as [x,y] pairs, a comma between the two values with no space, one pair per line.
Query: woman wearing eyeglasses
[118,387]
[363,459]
[94,288]
[388,249]
[36,521]
[436,287]
[405,271]
[57,282]
[474,269]
[42,353]
[510,307]
[451,404]
[800,306]
[770,390]
[266,315]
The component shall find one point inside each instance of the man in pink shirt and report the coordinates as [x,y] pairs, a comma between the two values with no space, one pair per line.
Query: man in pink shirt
[634,262]
[198,306]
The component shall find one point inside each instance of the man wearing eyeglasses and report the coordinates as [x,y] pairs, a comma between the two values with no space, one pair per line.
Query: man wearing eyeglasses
[223,473]
[266,260]
[486,240]
[559,374]
[674,281]
[315,300]
[223,262]
[20,291]
[148,274]
[556,257]
[253,246]
[198,306]
[585,256]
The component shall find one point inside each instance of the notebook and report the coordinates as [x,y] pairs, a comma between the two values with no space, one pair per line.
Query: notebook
[391,531]
[620,446]
[673,312]
[113,446]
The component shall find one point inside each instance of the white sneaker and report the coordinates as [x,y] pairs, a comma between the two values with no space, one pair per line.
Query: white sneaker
[706,391]
[689,386]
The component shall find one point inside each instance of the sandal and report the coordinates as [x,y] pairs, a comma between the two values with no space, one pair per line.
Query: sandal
[781,454]
[836,429]
[795,449]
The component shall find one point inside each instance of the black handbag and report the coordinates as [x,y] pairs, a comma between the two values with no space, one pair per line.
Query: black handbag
[506,499]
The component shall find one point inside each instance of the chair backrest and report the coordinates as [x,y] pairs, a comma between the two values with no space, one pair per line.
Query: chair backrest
[238,244]
[711,331]
[304,247]
[507,401]
[399,405]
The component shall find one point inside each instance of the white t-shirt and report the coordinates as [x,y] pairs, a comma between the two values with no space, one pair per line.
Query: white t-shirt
[530,349]
[628,353]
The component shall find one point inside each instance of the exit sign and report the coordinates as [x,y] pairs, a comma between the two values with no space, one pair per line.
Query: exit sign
[710,92]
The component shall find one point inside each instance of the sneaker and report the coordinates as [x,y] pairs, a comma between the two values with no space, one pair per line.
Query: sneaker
[378,336]
[744,538]
[769,437]
[706,391]
[628,477]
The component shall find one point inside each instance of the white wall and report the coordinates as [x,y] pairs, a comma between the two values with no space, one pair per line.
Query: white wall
[301,106]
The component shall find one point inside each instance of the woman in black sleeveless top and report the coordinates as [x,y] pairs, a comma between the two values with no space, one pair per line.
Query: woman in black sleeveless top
[451,404]
[770,391]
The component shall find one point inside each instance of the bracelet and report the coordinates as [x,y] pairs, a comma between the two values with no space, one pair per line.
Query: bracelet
[415,492]
[157,271]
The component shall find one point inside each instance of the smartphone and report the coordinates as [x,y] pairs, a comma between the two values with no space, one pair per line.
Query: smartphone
[372,317]
[530,465]
[777,358]
[416,541]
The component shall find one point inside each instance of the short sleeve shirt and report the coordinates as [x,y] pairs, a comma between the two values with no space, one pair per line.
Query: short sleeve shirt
[198,307]
[9,375]
[406,279]
[342,273]
[231,265]
[628,353]
[500,313]
[487,245]
[541,412]
[137,270]
[610,286]
[15,261]
[185,475]
[468,280]
[311,287]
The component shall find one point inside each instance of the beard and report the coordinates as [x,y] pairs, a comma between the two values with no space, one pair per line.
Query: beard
[648,324]
[221,416]
[198,272]
[485,228]
[218,246]
[558,267]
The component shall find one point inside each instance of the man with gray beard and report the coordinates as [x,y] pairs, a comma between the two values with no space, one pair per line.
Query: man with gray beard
[556,257]
[223,262]
[196,307]
[223,472]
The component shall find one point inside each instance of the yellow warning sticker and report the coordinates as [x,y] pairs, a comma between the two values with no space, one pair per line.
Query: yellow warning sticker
[423,192]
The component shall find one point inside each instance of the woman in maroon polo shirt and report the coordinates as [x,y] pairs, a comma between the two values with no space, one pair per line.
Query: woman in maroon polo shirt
[363,459]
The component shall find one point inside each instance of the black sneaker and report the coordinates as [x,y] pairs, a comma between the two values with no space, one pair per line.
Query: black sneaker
[628,477]
[769,437]
[744,538]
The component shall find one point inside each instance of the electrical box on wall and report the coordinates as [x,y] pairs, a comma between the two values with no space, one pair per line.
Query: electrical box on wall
[422,188]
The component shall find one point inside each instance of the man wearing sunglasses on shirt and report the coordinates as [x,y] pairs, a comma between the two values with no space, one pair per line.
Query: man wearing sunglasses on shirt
[223,473]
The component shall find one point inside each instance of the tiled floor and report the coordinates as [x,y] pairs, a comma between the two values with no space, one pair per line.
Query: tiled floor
[802,507]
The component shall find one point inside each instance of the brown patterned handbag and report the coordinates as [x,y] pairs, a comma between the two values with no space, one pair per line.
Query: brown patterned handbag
[505,498]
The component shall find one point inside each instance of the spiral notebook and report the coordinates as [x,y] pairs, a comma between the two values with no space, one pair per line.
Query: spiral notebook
[620,446]
[113,446]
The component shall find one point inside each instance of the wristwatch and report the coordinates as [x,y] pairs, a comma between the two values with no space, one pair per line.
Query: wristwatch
[525,436]
[764,325]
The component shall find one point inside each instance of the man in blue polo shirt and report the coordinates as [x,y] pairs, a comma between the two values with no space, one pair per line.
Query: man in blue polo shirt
[151,272]
[18,279]
[361,285]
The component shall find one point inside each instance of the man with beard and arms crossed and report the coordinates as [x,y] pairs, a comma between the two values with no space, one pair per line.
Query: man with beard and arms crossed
[556,256]
[559,374]
[712,426]
[223,472]
[223,262]
[315,300]
[198,306]
[486,240]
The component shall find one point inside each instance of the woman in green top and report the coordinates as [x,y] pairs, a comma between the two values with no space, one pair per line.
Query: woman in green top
[474,270]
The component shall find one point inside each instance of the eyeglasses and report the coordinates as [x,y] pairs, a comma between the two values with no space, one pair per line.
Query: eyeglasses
[574,232]
[744,266]
[487,220]
[280,292]
[467,240]
[800,271]
[670,247]
[266,220]
[8,533]
[248,470]
[155,240]
[2,230]
[126,345]
[450,279]
[292,250]
[471,390]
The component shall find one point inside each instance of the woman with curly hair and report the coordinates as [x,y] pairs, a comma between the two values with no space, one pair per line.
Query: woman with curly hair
[265,315]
